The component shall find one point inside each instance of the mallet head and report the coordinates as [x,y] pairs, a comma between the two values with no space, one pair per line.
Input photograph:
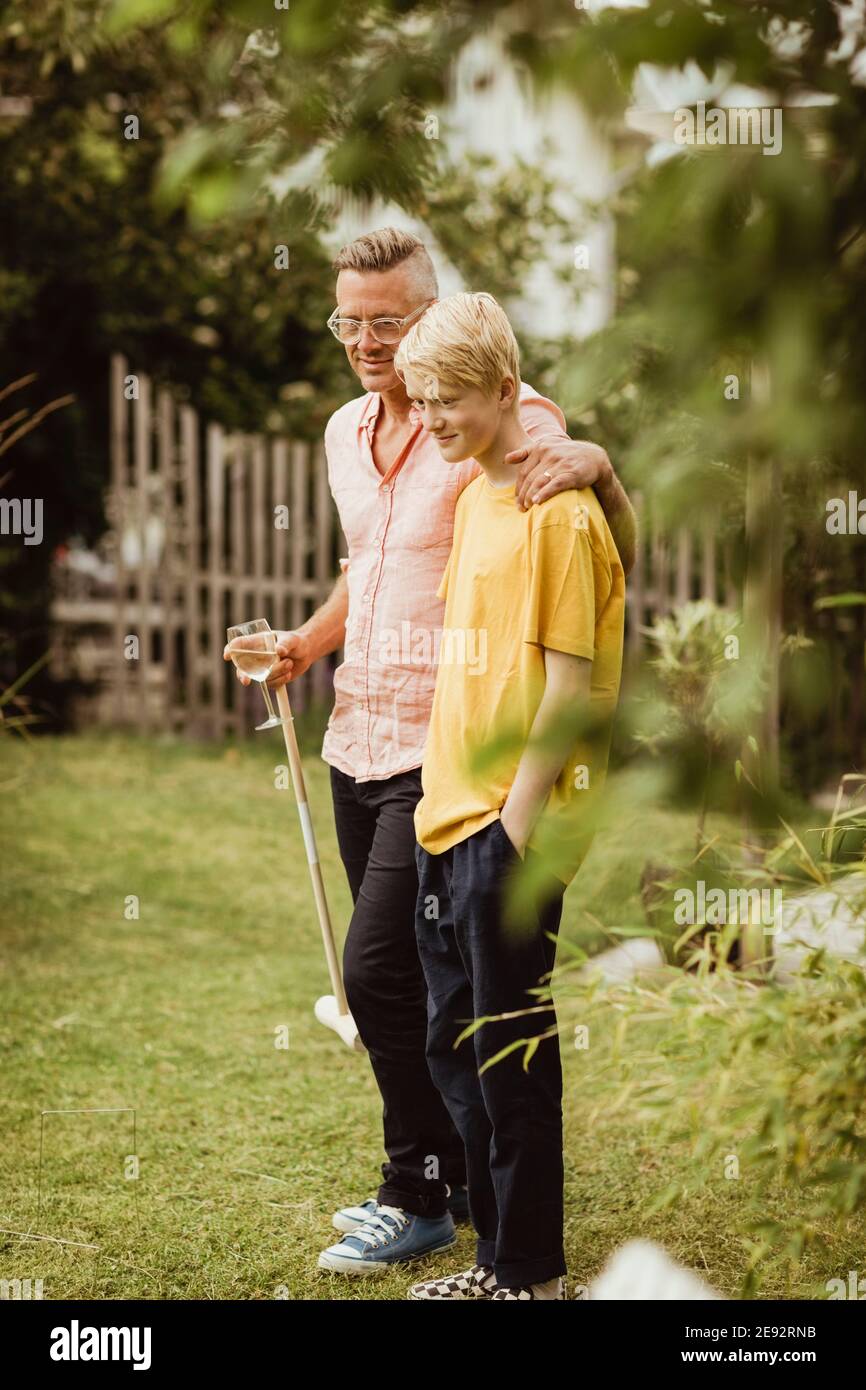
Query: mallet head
[327,1012]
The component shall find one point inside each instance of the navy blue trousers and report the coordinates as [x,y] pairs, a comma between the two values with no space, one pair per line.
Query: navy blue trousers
[510,1119]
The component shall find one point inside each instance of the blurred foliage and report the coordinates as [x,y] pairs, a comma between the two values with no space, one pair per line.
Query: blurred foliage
[819,854]
[729,258]
[17,714]
[162,246]
[19,711]
[256,124]
[709,700]
[776,1080]
[697,645]
[718,1055]
[466,202]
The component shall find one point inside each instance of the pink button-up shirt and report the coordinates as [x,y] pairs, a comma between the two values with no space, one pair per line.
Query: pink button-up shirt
[399,528]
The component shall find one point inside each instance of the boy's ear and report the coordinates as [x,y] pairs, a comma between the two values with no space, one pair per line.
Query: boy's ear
[507,391]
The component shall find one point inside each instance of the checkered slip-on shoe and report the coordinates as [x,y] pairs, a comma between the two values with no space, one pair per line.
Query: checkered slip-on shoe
[477,1282]
[525,1294]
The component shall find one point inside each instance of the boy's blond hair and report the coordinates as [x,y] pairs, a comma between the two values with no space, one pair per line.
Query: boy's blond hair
[466,340]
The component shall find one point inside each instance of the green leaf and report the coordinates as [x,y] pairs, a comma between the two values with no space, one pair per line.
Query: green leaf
[126,14]
[850,600]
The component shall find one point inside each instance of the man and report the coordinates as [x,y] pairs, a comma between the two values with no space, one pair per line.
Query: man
[396,505]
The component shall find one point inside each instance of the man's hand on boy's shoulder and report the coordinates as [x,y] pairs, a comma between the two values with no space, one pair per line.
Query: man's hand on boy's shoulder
[551,465]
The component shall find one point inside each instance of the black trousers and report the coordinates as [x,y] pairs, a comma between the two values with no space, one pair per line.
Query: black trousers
[386,990]
[510,1117]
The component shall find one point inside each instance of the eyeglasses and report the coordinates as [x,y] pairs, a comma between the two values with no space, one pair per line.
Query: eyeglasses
[385,331]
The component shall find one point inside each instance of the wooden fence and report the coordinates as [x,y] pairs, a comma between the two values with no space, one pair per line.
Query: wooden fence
[197,541]
[207,529]
[672,569]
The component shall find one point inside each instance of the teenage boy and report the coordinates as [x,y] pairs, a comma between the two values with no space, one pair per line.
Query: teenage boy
[541,594]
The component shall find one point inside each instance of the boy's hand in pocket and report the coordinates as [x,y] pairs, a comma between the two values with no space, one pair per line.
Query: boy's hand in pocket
[517,839]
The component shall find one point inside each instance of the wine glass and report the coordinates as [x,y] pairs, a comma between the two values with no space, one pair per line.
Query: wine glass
[253,649]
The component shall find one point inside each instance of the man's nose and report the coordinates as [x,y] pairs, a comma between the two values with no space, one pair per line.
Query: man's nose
[368,342]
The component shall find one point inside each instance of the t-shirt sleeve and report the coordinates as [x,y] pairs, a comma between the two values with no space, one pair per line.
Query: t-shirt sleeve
[569,583]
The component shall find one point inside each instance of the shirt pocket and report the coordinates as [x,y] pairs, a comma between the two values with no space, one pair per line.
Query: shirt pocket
[427,523]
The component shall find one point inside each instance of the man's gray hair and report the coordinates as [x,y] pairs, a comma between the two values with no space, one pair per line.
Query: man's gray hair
[386,248]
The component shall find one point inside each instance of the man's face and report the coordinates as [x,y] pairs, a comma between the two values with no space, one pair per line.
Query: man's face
[376,294]
[463,420]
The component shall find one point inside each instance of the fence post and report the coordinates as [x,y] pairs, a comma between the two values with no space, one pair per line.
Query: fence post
[119,445]
[659,562]
[142,446]
[237,566]
[166,461]
[259,528]
[326,567]
[684,566]
[298,535]
[282,538]
[216,583]
[708,565]
[636,583]
[193,560]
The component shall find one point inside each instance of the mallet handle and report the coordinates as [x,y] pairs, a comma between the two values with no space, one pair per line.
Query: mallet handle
[312,852]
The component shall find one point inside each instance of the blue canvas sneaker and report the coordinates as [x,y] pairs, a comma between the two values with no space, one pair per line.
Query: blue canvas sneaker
[388,1236]
[350,1218]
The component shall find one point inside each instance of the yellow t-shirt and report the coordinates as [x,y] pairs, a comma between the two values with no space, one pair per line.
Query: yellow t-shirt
[517,582]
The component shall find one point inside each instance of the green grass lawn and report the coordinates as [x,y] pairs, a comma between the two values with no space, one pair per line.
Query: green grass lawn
[245,1148]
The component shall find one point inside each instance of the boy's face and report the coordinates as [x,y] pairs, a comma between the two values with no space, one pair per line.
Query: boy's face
[464,420]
